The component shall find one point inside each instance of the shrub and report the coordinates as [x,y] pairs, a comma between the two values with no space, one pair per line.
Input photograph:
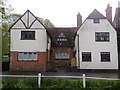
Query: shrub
[59,84]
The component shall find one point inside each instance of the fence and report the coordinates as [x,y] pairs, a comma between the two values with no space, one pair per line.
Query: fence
[39,76]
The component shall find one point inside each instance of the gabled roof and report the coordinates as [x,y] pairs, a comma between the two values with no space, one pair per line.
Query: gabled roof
[68,32]
[96,15]
[27,21]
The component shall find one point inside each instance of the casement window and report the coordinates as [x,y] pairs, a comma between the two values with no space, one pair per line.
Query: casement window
[102,36]
[62,55]
[61,41]
[86,56]
[27,56]
[96,20]
[27,35]
[105,56]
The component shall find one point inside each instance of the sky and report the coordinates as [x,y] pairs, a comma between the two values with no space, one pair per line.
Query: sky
[62,13]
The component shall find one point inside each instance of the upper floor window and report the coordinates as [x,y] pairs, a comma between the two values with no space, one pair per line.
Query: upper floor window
[61,40]
[28,35]
[105,56]
[62,55]
[86,56]
[102,36]
[96,20]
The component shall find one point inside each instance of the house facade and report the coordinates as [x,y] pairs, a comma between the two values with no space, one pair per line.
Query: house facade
[90,45]
[96,43]
[29,44]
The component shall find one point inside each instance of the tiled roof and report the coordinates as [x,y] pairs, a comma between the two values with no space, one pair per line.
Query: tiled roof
[68,32]
[96,15]
[57,33]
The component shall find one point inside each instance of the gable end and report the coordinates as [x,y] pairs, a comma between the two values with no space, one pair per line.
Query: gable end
[27,21]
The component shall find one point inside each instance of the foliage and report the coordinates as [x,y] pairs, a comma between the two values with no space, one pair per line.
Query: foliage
[5,39]
[5,59]
[103,83]
[59,84]
[20,84]
[47,23]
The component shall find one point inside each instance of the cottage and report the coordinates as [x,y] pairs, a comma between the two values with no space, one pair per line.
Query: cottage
[96,44]
[29,44]
[90,45]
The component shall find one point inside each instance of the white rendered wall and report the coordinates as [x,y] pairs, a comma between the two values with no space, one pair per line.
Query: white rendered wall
[37,45]
[49,43]
[87,43]
[28,20]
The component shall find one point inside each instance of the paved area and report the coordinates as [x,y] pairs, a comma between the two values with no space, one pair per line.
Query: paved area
[114,75]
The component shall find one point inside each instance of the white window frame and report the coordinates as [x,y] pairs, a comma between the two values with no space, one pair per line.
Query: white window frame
[20,56]
[62,55]
[27,58]
[35,56]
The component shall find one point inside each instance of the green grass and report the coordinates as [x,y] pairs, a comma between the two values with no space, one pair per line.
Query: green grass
[59,84]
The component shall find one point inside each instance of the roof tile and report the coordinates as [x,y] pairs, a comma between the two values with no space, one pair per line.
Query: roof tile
[96,15]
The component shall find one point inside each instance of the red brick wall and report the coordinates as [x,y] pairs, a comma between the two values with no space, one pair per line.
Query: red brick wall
[39,65]
[61,62]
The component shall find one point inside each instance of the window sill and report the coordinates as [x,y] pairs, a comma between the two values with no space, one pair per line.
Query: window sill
[27,39]
[62,59]
[86,61]
[27,60]
[102,41]
[105,61]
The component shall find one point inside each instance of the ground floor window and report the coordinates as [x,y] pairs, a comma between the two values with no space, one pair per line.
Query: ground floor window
[86,56]
[62,55]
[27,56]
[105,56]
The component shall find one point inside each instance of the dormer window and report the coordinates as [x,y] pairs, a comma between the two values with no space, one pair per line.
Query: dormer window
[96,20]
[27,35]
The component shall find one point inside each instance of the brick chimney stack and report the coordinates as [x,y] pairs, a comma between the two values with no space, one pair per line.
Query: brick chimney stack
[119,4]
[109,13]
[79,20]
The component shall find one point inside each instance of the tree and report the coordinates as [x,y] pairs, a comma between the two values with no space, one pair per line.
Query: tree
[5,10]
[47,23]
[5,39]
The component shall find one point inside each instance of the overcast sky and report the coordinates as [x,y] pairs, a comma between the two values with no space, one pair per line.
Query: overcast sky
[62,13]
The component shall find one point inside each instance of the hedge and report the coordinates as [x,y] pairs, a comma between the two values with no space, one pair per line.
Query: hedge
[58,84]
